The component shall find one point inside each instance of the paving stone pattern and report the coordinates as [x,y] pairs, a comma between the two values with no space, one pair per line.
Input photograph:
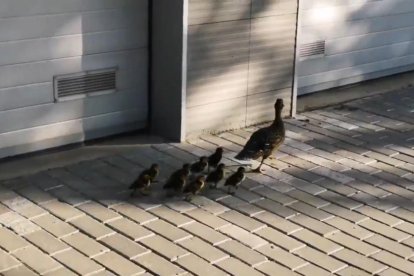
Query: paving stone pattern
[336,199]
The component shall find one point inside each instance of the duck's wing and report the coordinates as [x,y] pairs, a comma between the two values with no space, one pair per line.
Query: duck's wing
[255,145]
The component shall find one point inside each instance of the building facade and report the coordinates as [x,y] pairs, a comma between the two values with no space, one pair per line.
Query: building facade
[349,41]
[72,70]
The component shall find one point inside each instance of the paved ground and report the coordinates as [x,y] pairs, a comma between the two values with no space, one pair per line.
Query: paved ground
[337,199]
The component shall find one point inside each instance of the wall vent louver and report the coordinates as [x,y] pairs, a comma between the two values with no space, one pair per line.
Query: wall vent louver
[84,84]
[316,48]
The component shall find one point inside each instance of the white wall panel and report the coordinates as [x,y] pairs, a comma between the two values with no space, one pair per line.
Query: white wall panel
[364,39]
[22,96]
[40,39]
[50,113]
[26,51]
[43,71]
[43,26]
[74,131]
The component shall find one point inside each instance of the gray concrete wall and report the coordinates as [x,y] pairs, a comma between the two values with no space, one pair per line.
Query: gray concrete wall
[240,59]
[168,60]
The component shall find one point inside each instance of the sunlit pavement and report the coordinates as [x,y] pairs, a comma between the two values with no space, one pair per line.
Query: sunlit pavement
[337,198]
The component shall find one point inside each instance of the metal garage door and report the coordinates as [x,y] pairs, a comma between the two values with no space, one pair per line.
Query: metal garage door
[87,47]
[240,59]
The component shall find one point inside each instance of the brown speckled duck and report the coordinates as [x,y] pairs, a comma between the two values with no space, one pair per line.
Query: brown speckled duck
[264,141]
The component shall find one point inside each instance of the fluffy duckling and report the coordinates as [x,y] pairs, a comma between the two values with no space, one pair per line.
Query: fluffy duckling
[200,165]
[142,183]
[215,158]
[216,176]
[194,187]
[178,179]
[235,180]
[153,172]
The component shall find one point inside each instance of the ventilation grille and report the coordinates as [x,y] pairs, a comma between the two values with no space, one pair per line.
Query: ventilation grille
[85,84]
[312,49]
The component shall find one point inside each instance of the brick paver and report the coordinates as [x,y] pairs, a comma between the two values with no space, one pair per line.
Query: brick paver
[164,247]
[242,252]
[206,233]
[78,262]
[270,268]
[394,261]
[99,212]
[36,259]
[124,246]
[282,240]
[91,227]
[337,198]
[311,269]
[46,242]
[118,264]
[19,270]
[167,230]
[7,261]
[203,250]
[236,267]
[10,241]
[353,243]
[317,241]
[364,263]
[55,226]
[206,218]
[130,229]
[62,210]
[158,265]
[198,266]
[282,257]
[85,244]
[322,260]
[134,213]
[251,240]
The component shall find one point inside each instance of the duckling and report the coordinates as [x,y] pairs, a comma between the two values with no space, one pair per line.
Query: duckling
[153,172]
[215,158]
[178,179]
[216,176]
[142,183]
[194,187]
[265,140]
[200,165]
[235,179]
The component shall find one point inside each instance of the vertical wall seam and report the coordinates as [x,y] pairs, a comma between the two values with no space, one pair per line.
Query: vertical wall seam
[248,61]
[149,65]
[184,61]
[293,102]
